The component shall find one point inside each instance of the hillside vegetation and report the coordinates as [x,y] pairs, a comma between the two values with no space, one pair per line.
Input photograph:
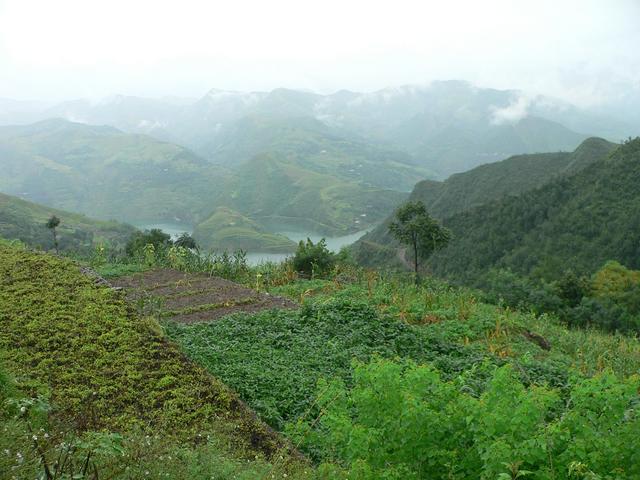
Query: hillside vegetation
[482,185]
[26,221]
[105,173]
[375,375]
[288,172]
[272,190]
[102,386]
[369,377]
[575,222]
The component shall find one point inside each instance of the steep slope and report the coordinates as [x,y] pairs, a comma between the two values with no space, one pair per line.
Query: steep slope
[105,369]
[483,184]
[25,221]
[104,172]
[310,176]
[574,222]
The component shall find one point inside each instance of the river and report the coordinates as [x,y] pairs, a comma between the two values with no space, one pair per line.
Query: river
[255,258]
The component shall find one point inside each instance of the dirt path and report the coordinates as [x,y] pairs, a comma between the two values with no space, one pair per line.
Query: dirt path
[188,297]
[402,256]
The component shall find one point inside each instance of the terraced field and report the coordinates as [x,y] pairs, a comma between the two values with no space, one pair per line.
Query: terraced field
[190,298]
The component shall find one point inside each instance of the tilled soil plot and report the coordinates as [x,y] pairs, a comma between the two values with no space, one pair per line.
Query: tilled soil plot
[188,297]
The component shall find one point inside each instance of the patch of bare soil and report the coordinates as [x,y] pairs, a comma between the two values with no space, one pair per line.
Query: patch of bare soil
[188,298]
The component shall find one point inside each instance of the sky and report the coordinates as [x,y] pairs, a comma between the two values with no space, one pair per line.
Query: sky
[586,52]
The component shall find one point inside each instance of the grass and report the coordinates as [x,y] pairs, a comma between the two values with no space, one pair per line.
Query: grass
[103,368]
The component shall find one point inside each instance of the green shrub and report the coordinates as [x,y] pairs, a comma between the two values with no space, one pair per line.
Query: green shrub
[403,421]
[313,259]
[139,240]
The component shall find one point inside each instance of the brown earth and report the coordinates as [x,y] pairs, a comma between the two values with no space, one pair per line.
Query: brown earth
[189,297]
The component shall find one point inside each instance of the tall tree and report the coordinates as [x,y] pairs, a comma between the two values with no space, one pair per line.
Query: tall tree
[52,223]
[415,228]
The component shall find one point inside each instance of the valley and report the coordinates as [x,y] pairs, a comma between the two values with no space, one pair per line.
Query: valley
[339,241]
[217,292]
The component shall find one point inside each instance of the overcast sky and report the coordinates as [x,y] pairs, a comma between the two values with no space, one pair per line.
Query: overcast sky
[583,51]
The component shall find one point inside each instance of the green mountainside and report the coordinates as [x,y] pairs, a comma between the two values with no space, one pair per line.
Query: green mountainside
[105,173]
[273,190]
[445,126]
[25,221]
[310,144]
[574,222]
[483,184]
[302,175]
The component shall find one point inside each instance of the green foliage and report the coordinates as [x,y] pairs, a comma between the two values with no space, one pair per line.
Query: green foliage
[619,284]
[139,240]
[402,421]
[609,300]
[186,241]
[313,259]
[105,368]
[577,222]
[53,222]
[481,185]
[415,228]
[273,359]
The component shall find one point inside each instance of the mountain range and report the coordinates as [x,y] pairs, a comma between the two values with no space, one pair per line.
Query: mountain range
[286,159]
[445,127]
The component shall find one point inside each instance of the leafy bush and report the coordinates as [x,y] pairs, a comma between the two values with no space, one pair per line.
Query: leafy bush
[403,421]
[313,259]
[139,240]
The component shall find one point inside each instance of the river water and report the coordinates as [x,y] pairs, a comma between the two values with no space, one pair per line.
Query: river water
[255,258]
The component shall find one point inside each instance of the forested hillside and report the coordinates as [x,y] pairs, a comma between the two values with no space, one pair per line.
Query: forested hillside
[26,221]
[484,184]
[574,222]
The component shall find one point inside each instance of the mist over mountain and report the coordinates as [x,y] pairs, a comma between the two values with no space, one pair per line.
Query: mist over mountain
[443,127]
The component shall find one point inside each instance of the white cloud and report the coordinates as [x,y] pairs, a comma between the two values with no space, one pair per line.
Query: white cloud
[512,113]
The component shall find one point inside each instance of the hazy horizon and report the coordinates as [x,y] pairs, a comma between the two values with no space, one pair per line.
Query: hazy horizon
[582,52]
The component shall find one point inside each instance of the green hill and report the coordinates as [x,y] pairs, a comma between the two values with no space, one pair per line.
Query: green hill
[228,230]
[272,189]
[25,221]
[312,145]
[483,184]
[105,173]
[574,222]
[288,172]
